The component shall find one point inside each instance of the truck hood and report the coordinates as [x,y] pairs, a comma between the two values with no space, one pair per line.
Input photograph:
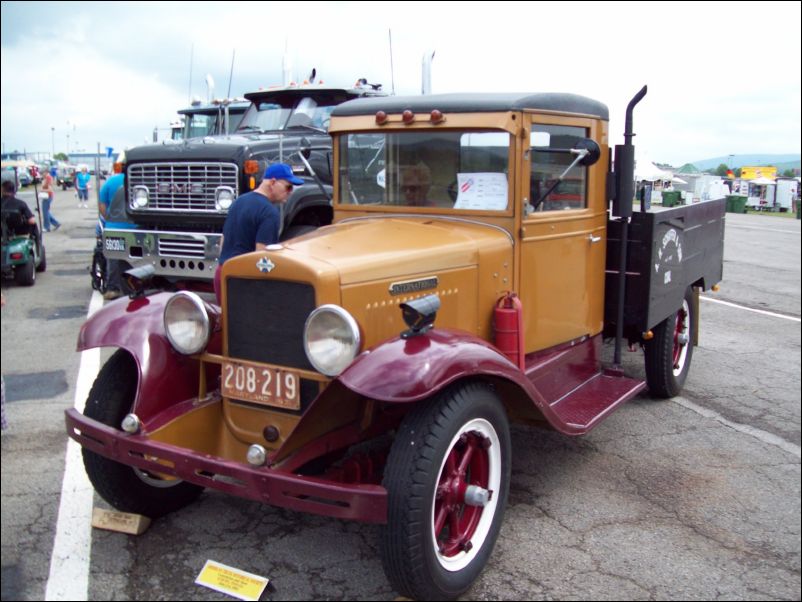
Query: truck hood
[225,148]
[367,249]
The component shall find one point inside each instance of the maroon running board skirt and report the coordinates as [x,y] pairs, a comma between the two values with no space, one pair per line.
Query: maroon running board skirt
[578,391]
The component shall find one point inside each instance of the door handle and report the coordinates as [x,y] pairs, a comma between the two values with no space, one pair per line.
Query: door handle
[593,239]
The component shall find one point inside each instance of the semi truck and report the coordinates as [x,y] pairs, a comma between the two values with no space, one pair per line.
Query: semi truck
[177,194]
[484,253]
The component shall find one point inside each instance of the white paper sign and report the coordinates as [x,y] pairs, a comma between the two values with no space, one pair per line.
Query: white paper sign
[482,191]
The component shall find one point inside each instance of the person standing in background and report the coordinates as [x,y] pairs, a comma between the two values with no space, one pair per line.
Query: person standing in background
[47,188]
[253,222]
[114,267]
[82,186]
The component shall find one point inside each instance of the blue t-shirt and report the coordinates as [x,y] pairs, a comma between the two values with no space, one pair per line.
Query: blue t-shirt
[82,180]
[107,192]
[252,219]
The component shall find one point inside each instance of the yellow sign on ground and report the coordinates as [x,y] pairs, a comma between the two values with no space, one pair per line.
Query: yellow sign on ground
[231,581]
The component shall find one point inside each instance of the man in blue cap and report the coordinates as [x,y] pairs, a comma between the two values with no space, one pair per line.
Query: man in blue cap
[253,222]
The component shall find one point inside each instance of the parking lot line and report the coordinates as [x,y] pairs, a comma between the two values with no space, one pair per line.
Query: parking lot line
[757,311]
[765,437]
[69,562]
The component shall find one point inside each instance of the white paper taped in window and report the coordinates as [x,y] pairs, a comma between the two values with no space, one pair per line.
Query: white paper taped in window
[482,191]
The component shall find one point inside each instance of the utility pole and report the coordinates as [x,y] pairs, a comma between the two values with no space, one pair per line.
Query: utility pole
[52,142]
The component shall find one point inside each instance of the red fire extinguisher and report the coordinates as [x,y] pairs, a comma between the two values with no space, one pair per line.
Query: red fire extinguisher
[508,326]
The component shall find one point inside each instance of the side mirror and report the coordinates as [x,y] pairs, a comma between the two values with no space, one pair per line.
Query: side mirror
[593,152]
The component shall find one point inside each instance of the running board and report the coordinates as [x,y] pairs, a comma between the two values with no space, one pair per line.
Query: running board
[584,407]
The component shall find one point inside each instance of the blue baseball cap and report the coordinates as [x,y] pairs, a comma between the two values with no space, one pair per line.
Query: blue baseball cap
[282,171]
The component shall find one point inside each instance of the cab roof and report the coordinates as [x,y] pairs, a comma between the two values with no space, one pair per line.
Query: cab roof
[210,109]
[474,103]
[310,90]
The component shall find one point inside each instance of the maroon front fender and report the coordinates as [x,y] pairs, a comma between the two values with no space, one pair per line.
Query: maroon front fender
[408,370]
[165,376]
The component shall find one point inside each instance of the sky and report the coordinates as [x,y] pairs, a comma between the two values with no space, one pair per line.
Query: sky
[723,78]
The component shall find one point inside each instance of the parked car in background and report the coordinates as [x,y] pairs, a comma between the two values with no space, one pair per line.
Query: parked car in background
[24,176]
[17,172]
[65,176]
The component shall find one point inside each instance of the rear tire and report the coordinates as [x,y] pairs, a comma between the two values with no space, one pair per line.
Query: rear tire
[669,352]
[43,263]
[436,542]
[128,489]
[26,275]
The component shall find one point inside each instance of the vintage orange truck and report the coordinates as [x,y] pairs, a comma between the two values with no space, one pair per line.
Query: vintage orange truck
[482,249]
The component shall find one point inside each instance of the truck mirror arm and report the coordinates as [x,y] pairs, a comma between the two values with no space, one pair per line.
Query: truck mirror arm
[315,176]
[581,153]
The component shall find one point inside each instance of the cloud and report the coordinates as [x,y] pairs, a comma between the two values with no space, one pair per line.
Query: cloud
[116,71]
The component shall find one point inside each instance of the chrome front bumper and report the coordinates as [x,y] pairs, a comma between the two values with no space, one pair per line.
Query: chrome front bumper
[172,254]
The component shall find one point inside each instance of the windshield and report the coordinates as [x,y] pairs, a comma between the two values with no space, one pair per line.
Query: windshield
[290,112]
[465,170]
[209,123]
[198,125]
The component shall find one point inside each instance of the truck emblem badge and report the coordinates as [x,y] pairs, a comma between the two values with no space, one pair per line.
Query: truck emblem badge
[265,266]
[413,286]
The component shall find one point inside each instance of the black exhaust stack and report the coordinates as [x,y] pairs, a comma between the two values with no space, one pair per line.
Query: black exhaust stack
[622,208]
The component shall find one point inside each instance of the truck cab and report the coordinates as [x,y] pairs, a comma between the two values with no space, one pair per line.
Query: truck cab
[178,193]
[370,369]
[218,118]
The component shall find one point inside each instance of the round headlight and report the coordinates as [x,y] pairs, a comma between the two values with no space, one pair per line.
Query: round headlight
[186,323]
[140,197]
[331,339]
[223,197]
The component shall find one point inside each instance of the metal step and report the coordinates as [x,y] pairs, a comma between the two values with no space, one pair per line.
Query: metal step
[594,399]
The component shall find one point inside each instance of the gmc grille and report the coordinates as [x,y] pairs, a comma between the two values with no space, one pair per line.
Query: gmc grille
[181,247]
[266,321]
[183,187]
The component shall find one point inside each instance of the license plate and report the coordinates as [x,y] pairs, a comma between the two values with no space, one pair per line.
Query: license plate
[115,244]
[262,384]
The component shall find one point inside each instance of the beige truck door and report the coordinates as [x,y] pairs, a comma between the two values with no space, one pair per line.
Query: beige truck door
[563,236]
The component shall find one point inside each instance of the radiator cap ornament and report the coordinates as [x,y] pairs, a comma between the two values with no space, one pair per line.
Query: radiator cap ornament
[264,265]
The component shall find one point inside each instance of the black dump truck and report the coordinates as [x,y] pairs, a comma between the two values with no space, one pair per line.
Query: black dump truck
[177,193]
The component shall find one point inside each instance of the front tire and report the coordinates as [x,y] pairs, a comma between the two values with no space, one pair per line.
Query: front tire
[447,459]
[669,352]
[98,272]
[128,489]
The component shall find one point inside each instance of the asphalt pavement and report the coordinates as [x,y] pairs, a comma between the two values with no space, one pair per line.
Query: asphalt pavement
[695,498]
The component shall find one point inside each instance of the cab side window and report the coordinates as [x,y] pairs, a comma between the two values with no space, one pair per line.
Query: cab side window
[550,156]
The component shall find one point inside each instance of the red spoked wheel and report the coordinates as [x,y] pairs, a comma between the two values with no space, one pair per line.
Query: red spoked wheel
[669,352]
[447,478]
[464,500]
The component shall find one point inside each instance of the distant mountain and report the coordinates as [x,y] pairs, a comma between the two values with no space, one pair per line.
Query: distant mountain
[788,161]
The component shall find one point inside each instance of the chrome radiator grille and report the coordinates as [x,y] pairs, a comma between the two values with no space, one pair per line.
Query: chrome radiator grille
[181,247]
[182,187]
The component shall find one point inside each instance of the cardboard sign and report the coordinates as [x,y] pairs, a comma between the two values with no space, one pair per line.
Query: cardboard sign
[231,581]
[122,522]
